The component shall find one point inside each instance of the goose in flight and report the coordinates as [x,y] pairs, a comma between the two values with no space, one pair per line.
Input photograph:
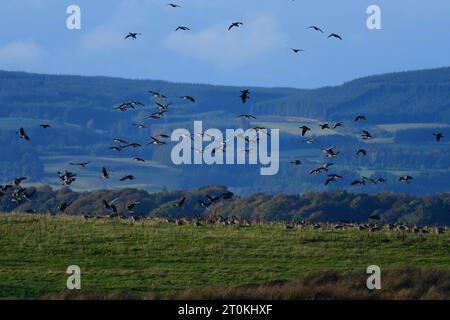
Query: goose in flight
[132,35]
[105,174]
[330,153]
[137,159]
[247,116]
[67,177]
[305,129]
[361,152]
[127,177]
[235,25]
[132,145]
[109,206]
[132,205]
[80,164]
[128,105]
[45,126]
[309,141]
[335,35]
[162,136]
[140,125]
[324,126]
[333,178]
[323,168]
[182,28]
[295,50]
[438,136]
[156,115]
[18,181]
[360,118]
[359,182]
[180,203]
[116,148]
[405,179]
[245,95]
[296,162]
[120,141]
[366,135]
[22,134]
[315,28]
[189,98]
[157,95]
[157,142]
[173,5]
[162,106]
[337,125]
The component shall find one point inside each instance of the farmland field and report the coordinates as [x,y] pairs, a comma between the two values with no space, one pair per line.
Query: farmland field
[153,259]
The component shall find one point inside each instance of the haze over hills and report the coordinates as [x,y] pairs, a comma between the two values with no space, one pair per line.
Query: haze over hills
[403,111]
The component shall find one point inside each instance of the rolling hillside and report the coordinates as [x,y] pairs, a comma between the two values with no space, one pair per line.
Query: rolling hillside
[403,111]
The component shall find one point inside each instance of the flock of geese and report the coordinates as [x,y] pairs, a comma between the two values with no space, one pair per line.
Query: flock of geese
[19,194]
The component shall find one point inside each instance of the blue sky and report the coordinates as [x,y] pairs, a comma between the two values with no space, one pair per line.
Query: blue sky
[414,35]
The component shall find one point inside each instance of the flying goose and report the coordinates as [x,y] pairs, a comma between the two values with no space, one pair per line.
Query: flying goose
[295,50]
[323,168]
[45,126]
[157,142]
[360,118]
[132,35]
[296,162]
[405,179]
[333,178]
[189,98]
[180,203]
[182,28]
[330,153]
[157,95]
[105,174]
[235,25]
[245,95]
[22,134]
[361,152]
[247,116]
[305,129]
[127,177]
[335,35]
[174,5]
[438,136]
[315,28]
[366,135]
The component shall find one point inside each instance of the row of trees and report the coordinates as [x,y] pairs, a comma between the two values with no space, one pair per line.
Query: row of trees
[323,206]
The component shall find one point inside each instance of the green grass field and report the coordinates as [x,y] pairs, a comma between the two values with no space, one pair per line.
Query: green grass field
[161,258]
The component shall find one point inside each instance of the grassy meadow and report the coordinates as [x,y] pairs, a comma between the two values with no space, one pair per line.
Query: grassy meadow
[152,259]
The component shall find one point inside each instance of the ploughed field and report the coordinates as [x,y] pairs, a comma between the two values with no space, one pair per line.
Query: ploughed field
[155,259]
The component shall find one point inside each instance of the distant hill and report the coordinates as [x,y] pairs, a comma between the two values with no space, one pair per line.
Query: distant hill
[403,110]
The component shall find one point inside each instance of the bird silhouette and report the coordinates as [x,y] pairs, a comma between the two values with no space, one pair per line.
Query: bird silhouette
[438,136]
[335,35]
[315,28]
[305,129]
[132,35]
[22,134]
[235,25]
[245,95]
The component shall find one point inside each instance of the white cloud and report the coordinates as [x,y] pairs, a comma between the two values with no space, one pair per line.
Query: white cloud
[255,39]
[17,53]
